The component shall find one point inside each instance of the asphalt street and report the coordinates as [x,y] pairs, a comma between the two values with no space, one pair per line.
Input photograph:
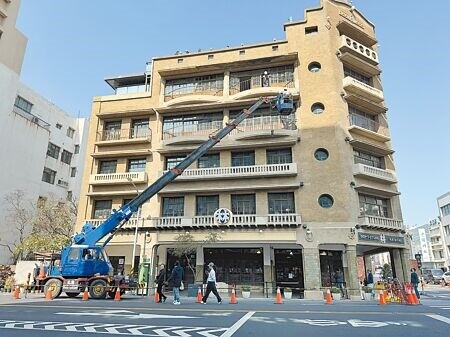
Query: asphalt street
[138,316]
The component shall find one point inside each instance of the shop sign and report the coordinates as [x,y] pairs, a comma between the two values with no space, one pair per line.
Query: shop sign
[381,238]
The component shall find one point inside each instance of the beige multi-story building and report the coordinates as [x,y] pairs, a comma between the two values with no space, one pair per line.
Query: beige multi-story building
[309,193]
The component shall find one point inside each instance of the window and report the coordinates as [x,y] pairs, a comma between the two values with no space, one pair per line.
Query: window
[137,165]
[173,206]
[23,104]
[363,119]
[210,57]
[69,195]
[200,124]
[311,30]
[241,52]
[171,162]
[111,130]
[107,166]
[209,160]
[326,201]
[356,75]
[274,48]
[368,159]
[102,209]
[77,149]
[445,210]
[317,108]
[48,175]
[207,204]
[374,206]
[180,61]
[243,204]
[245,158]
[53,150]
[321,154]
[314,67]
[140,128]
[208,83]
[70,132]
[66,157]
[279,156]
[58,126]
[281,203]
[73,172]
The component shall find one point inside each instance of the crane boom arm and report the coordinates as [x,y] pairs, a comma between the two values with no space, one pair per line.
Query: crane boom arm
[91,235]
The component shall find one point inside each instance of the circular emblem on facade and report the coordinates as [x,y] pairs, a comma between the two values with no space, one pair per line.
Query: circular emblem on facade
[223,216]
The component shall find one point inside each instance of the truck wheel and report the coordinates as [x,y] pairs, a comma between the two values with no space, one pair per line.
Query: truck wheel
[55,285]
[97,289]
[72,294]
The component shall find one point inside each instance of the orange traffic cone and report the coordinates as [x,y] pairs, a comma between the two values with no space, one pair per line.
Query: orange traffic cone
[278,299]
[414,296]
[85,294]
[199,295]
[117,297]
[48,295]
[409,297]
[156,297]
[233,299]
[382,299]
[328,299]
[16,293]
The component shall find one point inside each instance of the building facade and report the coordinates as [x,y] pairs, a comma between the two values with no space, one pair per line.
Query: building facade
[444,215]
[43,148]
[308,193]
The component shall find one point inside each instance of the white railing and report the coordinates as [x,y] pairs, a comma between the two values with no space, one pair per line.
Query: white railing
[368,53]
[239,171]
[374,172]
[363,89]
[129,224]
[125,134]
[381,222]
[114,178]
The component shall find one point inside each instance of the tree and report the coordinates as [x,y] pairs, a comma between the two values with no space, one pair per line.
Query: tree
[386,271]
[186,245]
[19,217]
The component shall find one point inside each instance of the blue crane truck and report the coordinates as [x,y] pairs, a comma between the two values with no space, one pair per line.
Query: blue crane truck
[85,263]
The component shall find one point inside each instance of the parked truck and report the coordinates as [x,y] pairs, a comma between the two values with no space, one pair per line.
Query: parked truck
[85,263]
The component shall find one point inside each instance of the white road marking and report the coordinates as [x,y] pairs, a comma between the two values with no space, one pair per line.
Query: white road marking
[440,307]
[439,318]
[238,324]
[120,314]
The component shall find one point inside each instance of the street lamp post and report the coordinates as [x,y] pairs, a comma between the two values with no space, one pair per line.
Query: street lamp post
[138,215]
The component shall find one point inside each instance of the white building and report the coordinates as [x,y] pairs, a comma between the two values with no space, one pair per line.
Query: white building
[444,213]
[41,146]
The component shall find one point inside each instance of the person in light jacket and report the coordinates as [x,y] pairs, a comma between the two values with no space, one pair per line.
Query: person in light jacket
[211,286]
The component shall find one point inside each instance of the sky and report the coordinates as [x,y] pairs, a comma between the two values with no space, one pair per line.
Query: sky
[74,44]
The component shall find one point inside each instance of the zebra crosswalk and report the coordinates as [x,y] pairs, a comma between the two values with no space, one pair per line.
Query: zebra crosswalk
[116,329]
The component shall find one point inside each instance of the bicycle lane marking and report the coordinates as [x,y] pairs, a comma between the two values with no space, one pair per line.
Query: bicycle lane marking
[238,324]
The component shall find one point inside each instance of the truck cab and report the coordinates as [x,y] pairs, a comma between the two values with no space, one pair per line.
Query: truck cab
[82,260]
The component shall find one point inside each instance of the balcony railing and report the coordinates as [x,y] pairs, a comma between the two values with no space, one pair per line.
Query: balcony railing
[243,220]
[236,85]
[193,130]
[374,172]
[124,134]
[129,224]
[353,85]
[381,223]
[367,53]
[259,123]
[118,178]
[201,87]
[32,118]
[239,172]
[363,122]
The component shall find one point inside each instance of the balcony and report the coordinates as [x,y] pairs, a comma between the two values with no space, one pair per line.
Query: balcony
[234,172]
[352,85]
[130,224]
[124,136]
[253,87]
[368,127]
[376,222]
[365,54]
[238,221]
[193,130]
[118,178]
[374,173]
[193,90]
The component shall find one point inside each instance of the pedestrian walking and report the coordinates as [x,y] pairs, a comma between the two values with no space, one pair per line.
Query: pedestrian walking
[369,279]
[211,285]
[160,280]
[339,279]
[415,282]
[176,278]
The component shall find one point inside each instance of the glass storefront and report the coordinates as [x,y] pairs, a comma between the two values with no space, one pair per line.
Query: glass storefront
[330,261]
[289,269]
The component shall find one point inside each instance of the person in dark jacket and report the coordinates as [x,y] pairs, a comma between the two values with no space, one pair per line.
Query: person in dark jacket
[369,279]
[339,279]
[415,281]
[176,278]
[160,279]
